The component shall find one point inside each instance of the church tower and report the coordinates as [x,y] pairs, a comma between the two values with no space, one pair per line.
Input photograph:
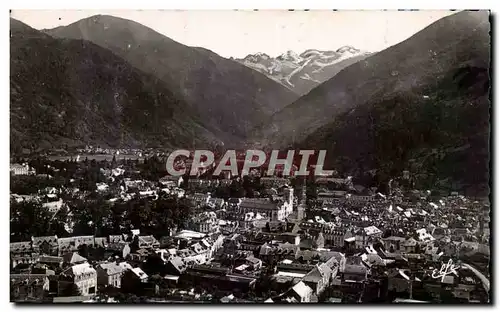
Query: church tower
[302,206]
[288,199]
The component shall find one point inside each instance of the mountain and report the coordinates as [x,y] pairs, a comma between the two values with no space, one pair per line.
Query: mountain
[230,98]
[301,73]
[73,92]
[422,104]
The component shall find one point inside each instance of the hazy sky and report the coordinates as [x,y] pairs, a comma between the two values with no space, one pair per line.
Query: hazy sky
[238,33]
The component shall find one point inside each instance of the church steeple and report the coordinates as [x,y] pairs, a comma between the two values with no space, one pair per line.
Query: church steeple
[302,206]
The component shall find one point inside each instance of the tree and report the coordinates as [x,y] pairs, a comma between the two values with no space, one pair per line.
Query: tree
[109,292]
[28,219]
[222,192]
[154,265]
[83,250]
[236,190]
[134,245]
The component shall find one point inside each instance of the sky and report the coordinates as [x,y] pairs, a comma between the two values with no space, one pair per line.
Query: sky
[239,33]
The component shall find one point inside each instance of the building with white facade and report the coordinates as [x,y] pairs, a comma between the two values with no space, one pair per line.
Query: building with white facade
[83,275]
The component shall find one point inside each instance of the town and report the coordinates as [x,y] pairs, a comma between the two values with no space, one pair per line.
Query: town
[124,230]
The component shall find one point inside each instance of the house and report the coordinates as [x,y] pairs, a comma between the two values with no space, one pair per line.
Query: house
[67,244]
[45,244]
[292,238]
[393,243]
[196,253]
[176,266]
[125,265]
[301,292]
[354,273]
[102,187]
[140,275]
[327,198]
[360,239]
[51,261]
[214,274]
[361,199]
[410,245]
[18,169]
[373,231]
[374,260]
[20,247]
[83,275]
[274,182]
[273,210]
[101,242]
[199,199]
[54,205]
[465,292]
[399,281]
[109,274]
[22,252]
[23,198]
[148,242]
[171,181]
[334,237]
[27,258]
[311,243]
[116,242]
[134,280]
[166,254]
[205,223]
[189,235]
[216,203]
[254,263]
[28,287]
[334,259]
[318,279]
[337,182]
[171,280]
[289,268]
[72,258]
[139,255]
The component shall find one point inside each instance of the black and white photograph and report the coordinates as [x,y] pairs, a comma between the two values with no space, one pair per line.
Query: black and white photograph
[250,156]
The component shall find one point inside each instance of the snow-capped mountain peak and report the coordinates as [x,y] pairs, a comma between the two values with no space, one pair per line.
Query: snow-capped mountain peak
[347,49]
[303,72]
[289,56]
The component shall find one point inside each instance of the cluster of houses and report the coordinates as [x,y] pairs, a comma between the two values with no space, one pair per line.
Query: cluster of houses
[53,267]
[21,169]
[349,244]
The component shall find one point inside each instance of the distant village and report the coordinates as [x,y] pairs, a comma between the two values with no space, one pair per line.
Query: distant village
[122,230]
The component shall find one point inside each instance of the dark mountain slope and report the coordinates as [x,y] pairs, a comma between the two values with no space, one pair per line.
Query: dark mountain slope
[441,139]
[230,97]
[74,92]
[422,60]
[439,130]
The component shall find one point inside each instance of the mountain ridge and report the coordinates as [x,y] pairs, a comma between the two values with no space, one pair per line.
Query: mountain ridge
[423,106]
[419,60]
[211,85]
[73,92]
